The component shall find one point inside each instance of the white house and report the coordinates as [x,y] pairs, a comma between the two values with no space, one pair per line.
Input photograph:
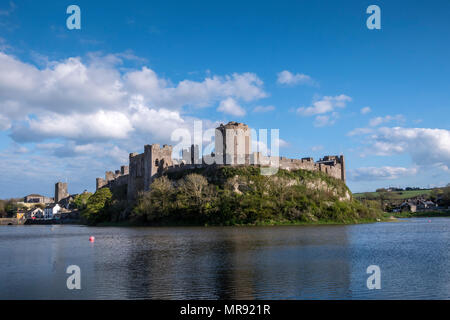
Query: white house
[36,213]
[51,210]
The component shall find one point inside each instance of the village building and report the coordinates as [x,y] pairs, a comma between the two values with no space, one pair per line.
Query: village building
[37,198]
[51,210]
[35,213]
[408,206]
[19,214]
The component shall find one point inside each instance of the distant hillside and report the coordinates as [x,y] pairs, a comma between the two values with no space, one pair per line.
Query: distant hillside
[393,195]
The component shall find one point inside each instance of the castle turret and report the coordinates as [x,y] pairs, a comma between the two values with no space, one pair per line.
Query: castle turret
[60,191]
[342,161]
[233,143]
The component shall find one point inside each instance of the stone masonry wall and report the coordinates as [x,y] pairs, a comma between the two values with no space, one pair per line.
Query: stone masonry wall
[236,144]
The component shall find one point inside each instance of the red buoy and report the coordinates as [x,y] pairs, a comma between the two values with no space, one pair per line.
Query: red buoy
[91,238]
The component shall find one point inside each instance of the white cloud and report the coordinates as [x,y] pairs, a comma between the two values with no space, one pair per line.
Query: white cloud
[99,125]
[62,87]
[366,110]
[326,120]
[426,146]
[324,108]
[160,92]
[282,143]
[94,111]
[380,120]
[380,173]
[288,78]
[5,123]
[262,109]
[325,105]
[360,131]
[229,106]
[82,101]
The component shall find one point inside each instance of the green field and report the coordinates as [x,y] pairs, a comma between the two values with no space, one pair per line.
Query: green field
[394,195]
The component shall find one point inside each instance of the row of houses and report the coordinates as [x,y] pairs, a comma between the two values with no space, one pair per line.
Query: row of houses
[414,205]
[50,212]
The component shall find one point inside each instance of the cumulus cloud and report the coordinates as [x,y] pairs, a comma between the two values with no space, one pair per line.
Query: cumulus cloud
[326,120]
[380,173]
[96,100]
[366,110]
[374,122]
[325,105]
[262,109]
[160,92]
[62,87]
[230,106]
[99,125]
[288,78]
[425,146]
[324,109]
[5,123]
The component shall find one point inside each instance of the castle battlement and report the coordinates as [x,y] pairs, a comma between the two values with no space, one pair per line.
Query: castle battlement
[232,147]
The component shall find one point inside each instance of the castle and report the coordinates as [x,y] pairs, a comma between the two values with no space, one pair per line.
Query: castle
[232,147]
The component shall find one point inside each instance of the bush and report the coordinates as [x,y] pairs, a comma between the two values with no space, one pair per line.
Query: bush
[97,206]
[240,195]
[80,201]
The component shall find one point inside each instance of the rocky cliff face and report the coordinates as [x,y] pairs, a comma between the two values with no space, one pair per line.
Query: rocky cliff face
[299,195]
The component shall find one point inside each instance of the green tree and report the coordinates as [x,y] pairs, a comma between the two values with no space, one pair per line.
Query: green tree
[446,196]
[156,203]
[97,206]
[2,208]
[80,201]
[194,195]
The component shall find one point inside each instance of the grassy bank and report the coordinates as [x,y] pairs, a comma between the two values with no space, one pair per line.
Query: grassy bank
[231,196]
[427,214]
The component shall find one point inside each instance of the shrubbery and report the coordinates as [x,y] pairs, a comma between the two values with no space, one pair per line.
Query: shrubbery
[80,200]
[240,195]
[97,206]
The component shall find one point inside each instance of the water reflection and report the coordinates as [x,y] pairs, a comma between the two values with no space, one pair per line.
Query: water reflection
[302,262]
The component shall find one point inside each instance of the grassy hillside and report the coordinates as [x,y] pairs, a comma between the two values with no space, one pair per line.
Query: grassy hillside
[393,195]
[241,196]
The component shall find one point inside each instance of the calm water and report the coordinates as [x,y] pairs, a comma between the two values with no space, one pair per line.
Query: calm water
[304,262]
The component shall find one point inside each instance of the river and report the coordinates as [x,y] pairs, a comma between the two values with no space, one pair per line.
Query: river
[286,262]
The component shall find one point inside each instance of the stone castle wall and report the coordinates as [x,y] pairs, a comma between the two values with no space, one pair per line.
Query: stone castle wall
[230,139]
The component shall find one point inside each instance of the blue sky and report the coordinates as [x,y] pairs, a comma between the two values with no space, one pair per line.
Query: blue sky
[74,103]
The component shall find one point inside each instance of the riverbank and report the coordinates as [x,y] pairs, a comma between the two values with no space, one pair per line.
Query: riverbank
[11,221]
[256,224]
[424,214]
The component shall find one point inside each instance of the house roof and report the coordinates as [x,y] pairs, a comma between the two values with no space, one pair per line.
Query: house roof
[50,206]
[408,203]
[34,195]
[34,209]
